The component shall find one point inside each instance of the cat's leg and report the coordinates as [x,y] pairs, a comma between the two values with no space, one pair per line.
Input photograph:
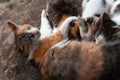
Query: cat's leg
[45,27]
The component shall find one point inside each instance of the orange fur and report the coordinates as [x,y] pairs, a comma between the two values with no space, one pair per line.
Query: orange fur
[63,19]
[74,29]
[91,57]
[85,58]
[22,28]
[20,44]
[44,45]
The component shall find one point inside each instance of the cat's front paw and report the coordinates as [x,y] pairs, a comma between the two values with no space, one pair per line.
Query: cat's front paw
[43,15]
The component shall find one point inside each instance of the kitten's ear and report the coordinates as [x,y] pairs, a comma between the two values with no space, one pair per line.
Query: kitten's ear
[13,53]
[106,17]
[99,21]
[12,26]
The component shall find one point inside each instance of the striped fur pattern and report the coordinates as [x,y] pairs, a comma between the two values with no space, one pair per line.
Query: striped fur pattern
[26,38]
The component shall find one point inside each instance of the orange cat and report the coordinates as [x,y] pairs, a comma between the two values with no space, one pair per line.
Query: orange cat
[47,41]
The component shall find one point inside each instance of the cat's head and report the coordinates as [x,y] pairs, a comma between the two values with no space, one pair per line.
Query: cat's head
[108,32]
[87,29]
[26,37]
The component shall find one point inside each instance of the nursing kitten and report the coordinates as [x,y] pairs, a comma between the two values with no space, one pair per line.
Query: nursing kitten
[84,60]
[87,29]
[108,32]
[46,43]
[115,12]
[26,39]
[59,10]
[94,8]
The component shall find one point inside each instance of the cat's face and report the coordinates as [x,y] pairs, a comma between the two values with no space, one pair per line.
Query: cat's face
[108,33]
[26,38]
[87,29]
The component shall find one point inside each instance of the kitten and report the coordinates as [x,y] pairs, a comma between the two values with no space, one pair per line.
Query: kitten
[87,29]
[94,8]
[59,10]
[47,42]
[115,12]
[108,32]
[26,38]
[101,30]
[75,60]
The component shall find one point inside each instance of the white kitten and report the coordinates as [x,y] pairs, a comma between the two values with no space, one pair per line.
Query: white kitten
[94,8]
[115,12]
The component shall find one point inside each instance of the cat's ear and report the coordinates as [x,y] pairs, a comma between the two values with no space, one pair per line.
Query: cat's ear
[106,17]
[13,52]
[12,26]
[99,21]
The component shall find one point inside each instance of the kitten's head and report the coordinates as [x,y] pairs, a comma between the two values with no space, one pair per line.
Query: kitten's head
[108,33]
[26,38]
[87,29]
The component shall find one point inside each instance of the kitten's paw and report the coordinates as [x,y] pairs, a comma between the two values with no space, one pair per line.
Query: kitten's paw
[43,15]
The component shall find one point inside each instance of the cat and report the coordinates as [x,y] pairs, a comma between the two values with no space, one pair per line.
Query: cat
[84,60]
[59,10]
[115,12]
[108,32]
[51,40]
[47,41]
[26,38]
[94,8]
[91,28]
[87,29]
